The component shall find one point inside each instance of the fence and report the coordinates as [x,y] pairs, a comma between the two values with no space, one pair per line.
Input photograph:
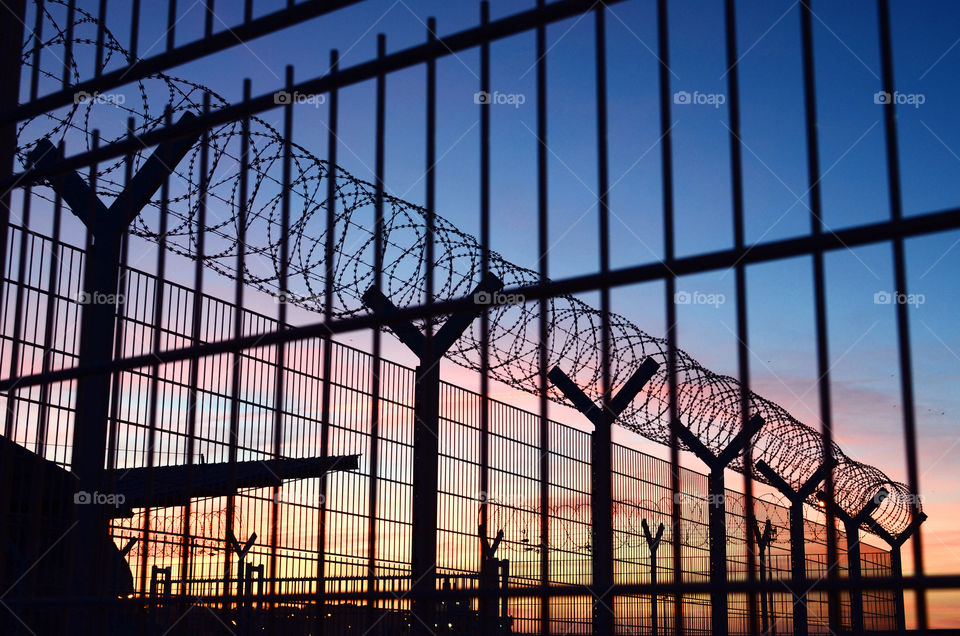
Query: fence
[190,549]
[185,378]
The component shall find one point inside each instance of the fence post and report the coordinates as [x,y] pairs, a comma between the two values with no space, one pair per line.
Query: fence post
[653,542]
[601,478]
[106,227]
[798,558]
[717,518]
[851,527]
[763,538]
[489,574]
[430,349]
[896,563]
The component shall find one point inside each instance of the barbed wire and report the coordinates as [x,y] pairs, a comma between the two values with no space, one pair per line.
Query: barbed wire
[570,528]
[208,526]
[708,403]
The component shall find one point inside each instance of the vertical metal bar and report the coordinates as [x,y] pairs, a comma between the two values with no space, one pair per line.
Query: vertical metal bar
[484,268]
[208,18]
[196,335]
[171,24]
[820,300]
[743,357]
[37,45]
[11,41]
[670,286]
[430,184]
[900,286]
[601,468]
[67,44]
[9,430]
[154,397]
[50,321]
[236,387]
[329,272]
[377,335]
[543,326]
[134,31]
[281,349]
[101,32]
[39,478]
[118,348]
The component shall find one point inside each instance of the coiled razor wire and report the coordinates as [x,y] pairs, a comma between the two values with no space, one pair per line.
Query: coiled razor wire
[708,403]
[570,529]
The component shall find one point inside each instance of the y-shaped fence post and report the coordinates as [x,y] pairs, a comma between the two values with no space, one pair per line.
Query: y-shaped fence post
[426,435]
[653,542]
[798,558]
[97,332]
[489,578]
[896,562]
[763,542]
[601,478]
[851,527]
[718,515]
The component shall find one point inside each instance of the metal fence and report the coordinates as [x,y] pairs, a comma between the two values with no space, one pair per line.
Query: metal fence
[184,552]
[185,378]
